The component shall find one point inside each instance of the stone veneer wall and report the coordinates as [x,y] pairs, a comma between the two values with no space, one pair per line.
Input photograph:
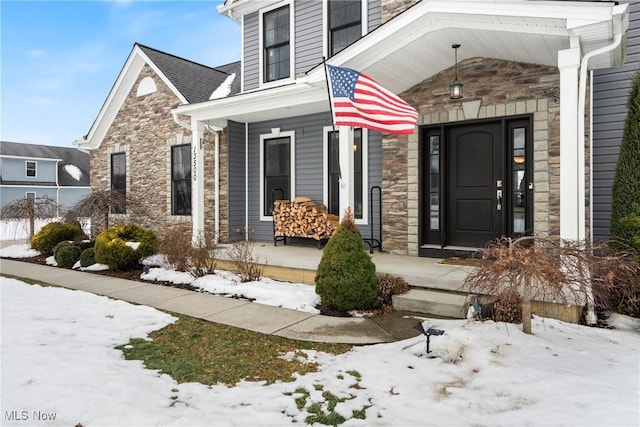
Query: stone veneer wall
[492,89]
[145,130]
[391,8]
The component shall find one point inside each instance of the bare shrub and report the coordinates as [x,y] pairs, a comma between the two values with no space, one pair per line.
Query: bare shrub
[176,246]
[508,307]
[202,257]
[388,286]
[184,253]
[551,270]
[245,262]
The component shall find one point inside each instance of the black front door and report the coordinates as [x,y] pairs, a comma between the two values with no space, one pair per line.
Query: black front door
[474,184]
[475,181]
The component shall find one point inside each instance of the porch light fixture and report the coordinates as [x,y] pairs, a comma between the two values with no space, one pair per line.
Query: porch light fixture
[456,86]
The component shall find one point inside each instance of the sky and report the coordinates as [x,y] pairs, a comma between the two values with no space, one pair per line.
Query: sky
[60,59]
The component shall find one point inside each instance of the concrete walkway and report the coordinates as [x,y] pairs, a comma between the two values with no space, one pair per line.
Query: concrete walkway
[242,314]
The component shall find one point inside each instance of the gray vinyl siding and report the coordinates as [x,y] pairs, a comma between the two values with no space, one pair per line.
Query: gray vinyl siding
[251,60]
[375,179]
[308,35]
[309,167]
[610,92]
[374,14]
[14,169]
[236,190]
[308,38]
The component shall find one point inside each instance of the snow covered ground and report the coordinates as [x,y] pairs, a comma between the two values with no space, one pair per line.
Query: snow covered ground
[60,368]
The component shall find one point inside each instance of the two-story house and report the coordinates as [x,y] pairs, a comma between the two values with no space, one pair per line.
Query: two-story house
[507,157]
[32,170]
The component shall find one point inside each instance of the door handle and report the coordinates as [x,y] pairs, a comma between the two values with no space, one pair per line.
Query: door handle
[498,200]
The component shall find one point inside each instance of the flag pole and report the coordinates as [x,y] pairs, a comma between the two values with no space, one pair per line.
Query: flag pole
[333,122]
[326,75]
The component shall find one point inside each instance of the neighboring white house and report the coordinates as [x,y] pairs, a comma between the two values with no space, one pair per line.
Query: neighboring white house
[32,170]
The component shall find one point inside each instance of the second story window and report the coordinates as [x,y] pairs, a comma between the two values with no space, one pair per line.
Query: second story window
[276,44]
[31,169]
[345,23]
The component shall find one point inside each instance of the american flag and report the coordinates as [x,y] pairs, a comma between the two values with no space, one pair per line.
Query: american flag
[360,101]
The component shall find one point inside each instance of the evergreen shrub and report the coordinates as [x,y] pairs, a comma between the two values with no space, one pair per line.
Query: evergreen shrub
[626,184]
[346,276]
[53,233]
[67,253]
[88,257]
[116,247]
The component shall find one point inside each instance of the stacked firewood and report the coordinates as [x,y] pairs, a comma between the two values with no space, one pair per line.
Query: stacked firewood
[303,217]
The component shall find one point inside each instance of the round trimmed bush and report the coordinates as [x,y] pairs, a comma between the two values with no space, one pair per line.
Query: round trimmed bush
[53,233]
[88,257]
[123,246]
[67,254]
[346,277]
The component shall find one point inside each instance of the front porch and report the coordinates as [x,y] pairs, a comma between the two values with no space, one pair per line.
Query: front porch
[436,288]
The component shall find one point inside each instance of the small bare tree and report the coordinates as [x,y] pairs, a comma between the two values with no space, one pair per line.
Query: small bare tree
[101,203]
[551,270]
[30,208]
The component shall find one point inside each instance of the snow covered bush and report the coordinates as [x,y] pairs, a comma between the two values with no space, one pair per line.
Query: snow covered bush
[123,246]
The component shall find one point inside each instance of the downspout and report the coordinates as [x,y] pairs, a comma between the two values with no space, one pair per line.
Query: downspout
[57,189]
[246,181]
[591,318]
[591,156]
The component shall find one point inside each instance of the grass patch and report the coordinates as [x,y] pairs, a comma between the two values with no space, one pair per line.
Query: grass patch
[209,353]
[29,281]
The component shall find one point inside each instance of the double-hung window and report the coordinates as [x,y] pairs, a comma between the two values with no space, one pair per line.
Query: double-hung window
[31,169]
[277,164]
[276,41]
[119,178]
[181,179]
[345,23]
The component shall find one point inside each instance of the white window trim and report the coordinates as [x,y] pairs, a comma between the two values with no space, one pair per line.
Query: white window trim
[364,24]
[26,169]
[292,47]
[275,133]
[26,195]
[365,171]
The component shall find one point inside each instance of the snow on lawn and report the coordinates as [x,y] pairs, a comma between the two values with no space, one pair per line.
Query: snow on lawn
[295,296]
[58,358]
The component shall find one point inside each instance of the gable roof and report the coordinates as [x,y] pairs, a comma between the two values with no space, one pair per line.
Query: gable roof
[196,82]
[189,81]
[73,164]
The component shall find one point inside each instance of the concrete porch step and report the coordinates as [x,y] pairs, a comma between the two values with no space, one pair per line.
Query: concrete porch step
[441,304]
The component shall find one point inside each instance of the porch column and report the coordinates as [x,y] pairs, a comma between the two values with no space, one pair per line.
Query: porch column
[345,152]
[572,205]
[197,178]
